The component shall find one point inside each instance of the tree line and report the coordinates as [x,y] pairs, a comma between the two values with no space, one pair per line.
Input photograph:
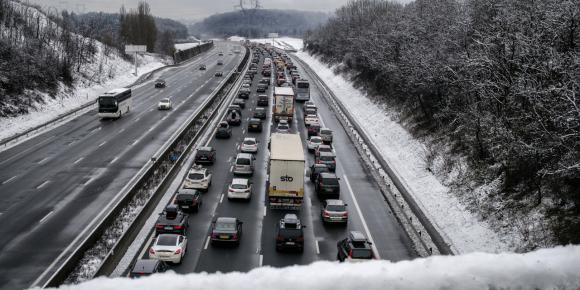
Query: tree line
[496,79]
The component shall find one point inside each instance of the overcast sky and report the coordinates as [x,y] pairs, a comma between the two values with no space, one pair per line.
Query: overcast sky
[189,9]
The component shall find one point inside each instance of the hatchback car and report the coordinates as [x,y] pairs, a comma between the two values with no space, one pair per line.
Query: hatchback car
[313,129]
[328,159]
[244,164]
[262,88]
[198,178]
[334,211]
[223,130]
[171,221]
[283,127]
[316,169]
[169,248]
[265,81]
[147,267]
[240,188]
[327,186]
[244,93]
[255,125]
[160,83]
[260,113]
[249,145]
[354,248]
[164,104]
[219,73]
[226,230]
[202,67]
[323,148]
[313,142]
[289,233]
[188,199]
[205,155]
[326,135]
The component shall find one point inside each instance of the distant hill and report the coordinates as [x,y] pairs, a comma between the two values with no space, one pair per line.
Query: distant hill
[258,23]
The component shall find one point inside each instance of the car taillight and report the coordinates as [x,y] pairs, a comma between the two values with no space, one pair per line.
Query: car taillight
[235,236]
[345,214]
[350,253]
[325,214]
[214,235]
[178,251]
[151,251]
[318,161]
[334,161]
[280,238]
[300,239]
[178,227]
[159,226]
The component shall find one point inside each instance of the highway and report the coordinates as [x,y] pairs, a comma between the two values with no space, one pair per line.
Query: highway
[55,184]
[368,211]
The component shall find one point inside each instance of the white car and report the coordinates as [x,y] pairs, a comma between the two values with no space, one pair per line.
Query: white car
[310,119]
[250,145]
[198,178]
[283,127]
[169,248]
[164,104]
[246,85]
[313,142]
[240,188]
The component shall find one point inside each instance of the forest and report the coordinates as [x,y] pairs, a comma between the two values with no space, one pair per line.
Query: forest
[494,81]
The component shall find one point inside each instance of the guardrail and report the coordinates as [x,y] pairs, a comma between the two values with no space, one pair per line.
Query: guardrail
[186,54]
[75,111]
[150,184]
[407,220]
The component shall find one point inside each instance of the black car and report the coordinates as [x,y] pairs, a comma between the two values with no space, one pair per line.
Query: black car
[255,125]
[316,169]
[289,233]
[240,102]
[188,199]
[260,113]
[244,93]
[326,185]
[171,221]
[160,83]
[205,155]
[263,100]
[202,67]
[249,76]
[224,130]
[354,247]
[147,267]
[265,81]
[219,74]
[234,108]
[266,73]
[234,118]
[262,88]
[226,230]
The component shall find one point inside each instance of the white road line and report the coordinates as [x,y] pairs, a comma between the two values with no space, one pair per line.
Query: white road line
[206,242]
[222,198]
[265,210]
[244,131]
[231,168]
[78,160]
[230,159]
[137,119]
[95,130]
[43,184]
[42,160]
[46,217]
[122,130]
[369,236]
[100,145]
[317,248]
[261,260]
[150,129]
[114,159]
[9,179]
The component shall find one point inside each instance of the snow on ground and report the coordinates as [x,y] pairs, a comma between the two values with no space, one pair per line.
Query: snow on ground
[107,73]
[184,46]
[555,268]
[407,155]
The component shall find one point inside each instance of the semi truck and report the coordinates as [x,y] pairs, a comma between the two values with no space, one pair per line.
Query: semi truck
[284,101]
[286,172]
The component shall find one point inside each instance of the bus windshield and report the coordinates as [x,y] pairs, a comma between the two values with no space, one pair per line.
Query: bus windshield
[303,85]
[107,105]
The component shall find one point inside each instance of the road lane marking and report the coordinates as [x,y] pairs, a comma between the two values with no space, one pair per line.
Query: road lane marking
[261,260]
[95,130]
[265,210]
[122,130]
[100,145]
[9,179]
[222,198]
[364,222]
[42,184]
[231,168]
[78,160]
[114,159]
[41,160]
[207,243]
[317,248]
[46,217]
[137,119]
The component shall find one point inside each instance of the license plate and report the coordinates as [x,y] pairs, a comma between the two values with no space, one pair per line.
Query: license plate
[168,228]
[185,206]
[290,243]
[225,237]
[254,126]
[335,218]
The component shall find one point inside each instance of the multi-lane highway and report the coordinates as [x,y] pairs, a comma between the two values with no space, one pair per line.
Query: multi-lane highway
[369,213]
[54,185]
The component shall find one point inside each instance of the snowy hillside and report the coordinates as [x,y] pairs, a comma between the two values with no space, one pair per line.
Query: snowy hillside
[555,268]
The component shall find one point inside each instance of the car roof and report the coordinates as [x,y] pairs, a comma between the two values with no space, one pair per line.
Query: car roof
[324,146]
[226,220]
[242,181]
[145,265]
[250,138]
[256,120]
[315,137]
[320,165]
[260,109]
[357,236]
[205,148]
[334,202]
[328,175]
[187,191]
[244,155]
[165,100]
[327,154]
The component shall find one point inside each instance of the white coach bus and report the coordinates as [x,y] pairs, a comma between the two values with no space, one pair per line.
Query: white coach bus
[115,103]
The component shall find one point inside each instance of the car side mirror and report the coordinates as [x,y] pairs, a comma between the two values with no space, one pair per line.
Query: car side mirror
[338,178]
[304,227]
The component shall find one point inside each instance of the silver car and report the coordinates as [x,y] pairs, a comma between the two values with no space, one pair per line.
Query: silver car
[244,164]
[326,135]
[334,211]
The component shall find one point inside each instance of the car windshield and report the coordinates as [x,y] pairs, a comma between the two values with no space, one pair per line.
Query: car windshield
[330,181]
[315,140]
[362,254]
[334,207]
[166,240]
[195,176]
[165,101]
[239,186]
[326,158]
[243,161]
[324,149]
[283,127]
[225,226]
[223,125]
[325,132]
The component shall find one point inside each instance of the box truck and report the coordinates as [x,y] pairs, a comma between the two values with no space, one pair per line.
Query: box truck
[284,100]
[286,172]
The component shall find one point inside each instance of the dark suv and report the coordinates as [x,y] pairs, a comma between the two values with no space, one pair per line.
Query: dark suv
[328,159]
[205,155]
[327,186]
[147,267]
[355,247]
[171,221]
[224,130]
[263,100]
[316,169]
[289,233]
[188,199]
